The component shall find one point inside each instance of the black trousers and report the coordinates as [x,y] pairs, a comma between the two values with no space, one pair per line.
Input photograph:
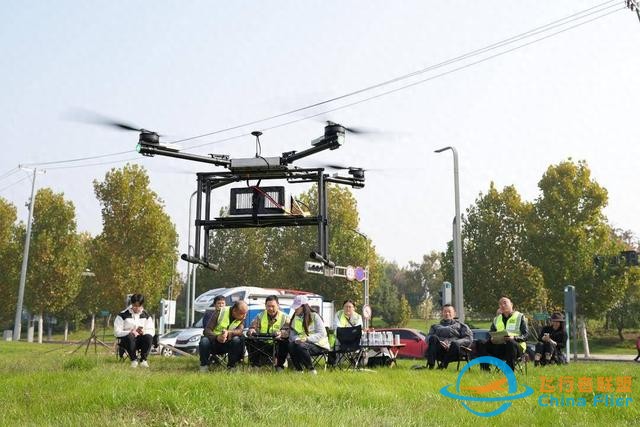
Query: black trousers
[509,352]
[261,352]
[234,349]
[435,352]
[301,353]
[132,344]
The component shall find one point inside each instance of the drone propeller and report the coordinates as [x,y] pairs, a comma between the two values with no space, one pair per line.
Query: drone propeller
[354,130]
[91,117]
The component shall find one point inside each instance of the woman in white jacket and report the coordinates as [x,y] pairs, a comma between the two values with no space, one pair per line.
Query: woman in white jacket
[307,335]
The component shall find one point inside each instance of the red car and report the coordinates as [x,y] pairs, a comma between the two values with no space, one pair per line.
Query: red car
[415,342]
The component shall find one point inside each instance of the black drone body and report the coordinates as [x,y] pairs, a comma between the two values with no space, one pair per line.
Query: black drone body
[257,206]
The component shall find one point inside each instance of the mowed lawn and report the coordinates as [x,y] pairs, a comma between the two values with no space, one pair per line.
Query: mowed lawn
[43,384]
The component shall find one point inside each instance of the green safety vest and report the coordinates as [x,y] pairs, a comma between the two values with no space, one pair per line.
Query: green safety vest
[281,319]
[513,326]
[224,321]
[297,326]
[264,322]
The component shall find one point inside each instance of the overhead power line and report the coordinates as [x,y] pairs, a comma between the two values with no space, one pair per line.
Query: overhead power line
[544,29]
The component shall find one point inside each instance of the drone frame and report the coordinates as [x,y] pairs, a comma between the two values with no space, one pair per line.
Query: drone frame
[208,181]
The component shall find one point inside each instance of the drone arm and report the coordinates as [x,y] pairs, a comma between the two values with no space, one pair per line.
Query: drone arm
[355,183]
[151,150]
[288,158]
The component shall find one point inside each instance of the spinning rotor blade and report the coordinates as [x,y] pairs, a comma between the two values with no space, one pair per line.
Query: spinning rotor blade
[354,130]
[91,117]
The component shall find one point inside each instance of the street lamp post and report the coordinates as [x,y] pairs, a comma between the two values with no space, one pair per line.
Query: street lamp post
[457,238]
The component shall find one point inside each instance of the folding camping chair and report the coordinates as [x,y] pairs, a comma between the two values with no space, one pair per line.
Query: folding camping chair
[262,349]
[349,353]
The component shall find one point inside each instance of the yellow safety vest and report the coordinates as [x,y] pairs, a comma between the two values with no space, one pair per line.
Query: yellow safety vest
[512,327]
[224,321]
[297,326]
[344,322]
[264,322]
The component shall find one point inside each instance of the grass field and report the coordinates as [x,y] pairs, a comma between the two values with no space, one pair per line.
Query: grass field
[45,385]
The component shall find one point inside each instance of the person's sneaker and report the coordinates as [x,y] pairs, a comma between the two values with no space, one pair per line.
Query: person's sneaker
[204,368]
[134,363]
[313,372]
[144,364]
[430,365]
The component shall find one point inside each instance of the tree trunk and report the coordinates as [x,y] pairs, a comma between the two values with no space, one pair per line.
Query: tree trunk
[66,330]
[30,328]
[93,321]
[585,339]
[40,327]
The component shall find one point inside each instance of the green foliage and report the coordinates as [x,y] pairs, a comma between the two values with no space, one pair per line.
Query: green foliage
[405,311]
[385,299]
[494,230]
[10,260]
[56,256]
[624,313]
[427,276]
[137,249]
[567,228]
[275,257]
[530,251]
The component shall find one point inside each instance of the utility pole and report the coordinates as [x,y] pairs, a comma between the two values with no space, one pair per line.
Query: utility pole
[17,327]
[457,239]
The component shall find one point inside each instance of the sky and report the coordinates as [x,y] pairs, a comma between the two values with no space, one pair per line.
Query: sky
[190,68]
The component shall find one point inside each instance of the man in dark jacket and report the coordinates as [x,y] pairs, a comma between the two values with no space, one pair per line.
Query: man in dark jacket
[446,338]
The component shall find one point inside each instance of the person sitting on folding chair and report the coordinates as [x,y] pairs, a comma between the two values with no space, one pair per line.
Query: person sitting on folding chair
[509,332]
[224,334]
[307,335]
[261,349]
[345,318]
[134,328]
[553,338]
[446,338]
[204,346]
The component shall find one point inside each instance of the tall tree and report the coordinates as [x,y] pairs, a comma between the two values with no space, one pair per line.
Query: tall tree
[495,263]
[10,259]
[424,278]
[56,256]
[386,302]
[137,249]
[567,229]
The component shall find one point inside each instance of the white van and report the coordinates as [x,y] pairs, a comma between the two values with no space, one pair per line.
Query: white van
[189,339]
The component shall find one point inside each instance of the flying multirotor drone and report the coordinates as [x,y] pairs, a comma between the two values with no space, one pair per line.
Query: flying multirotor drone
[255,205]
